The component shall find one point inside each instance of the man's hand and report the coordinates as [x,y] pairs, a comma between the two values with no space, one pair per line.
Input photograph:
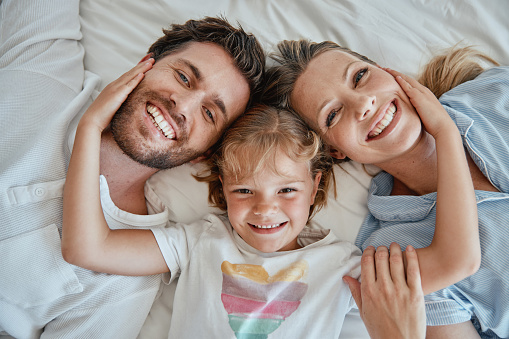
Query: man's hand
[390,298]
[101,111]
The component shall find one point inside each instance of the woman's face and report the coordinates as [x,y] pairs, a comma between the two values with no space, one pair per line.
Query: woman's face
[358,108]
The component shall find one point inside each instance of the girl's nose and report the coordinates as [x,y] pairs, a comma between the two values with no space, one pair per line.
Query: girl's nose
[265,208]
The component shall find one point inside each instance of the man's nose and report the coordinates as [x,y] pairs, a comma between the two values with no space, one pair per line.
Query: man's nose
[187,105]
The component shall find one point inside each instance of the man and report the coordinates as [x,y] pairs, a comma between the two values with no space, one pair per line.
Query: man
[197,86]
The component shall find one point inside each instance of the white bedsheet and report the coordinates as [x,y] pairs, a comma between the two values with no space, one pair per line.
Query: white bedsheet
[400,34]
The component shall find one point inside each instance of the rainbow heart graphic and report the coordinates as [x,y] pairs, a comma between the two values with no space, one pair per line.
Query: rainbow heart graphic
[257,304]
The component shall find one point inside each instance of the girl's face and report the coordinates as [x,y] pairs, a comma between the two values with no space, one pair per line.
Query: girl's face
[270,209]
[358,108]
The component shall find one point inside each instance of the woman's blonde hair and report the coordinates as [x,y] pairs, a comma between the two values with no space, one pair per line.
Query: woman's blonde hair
[254,143]
[453,67]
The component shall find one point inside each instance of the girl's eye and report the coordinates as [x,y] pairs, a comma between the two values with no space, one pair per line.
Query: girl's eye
[330,117]
[287,190]
[242,191]
[358,76]
[184,79]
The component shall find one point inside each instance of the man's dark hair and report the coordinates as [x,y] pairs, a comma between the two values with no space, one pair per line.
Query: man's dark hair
[244,48]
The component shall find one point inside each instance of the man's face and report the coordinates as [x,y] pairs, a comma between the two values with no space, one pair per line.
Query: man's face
[181,107]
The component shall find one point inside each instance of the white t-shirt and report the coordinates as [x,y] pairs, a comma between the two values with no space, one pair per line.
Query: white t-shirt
[226,286]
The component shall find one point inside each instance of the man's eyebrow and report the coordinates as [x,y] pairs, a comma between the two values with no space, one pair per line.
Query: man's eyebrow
[196,72]
[220,103]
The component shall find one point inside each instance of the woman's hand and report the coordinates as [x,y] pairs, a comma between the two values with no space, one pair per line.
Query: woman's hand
[390,298]
[101,111]
[432,113]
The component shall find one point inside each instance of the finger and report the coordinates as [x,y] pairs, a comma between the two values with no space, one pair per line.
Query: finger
[382,264]
[397,267]
[131,74]
[368,272]
[355,288]
[392,72]
[413,271]
[413,82]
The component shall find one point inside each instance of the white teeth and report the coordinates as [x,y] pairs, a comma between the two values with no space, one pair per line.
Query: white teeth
[386,120]
[158,118]
[161,124]
[267,226]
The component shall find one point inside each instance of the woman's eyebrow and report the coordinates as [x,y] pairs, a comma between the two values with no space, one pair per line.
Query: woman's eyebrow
[347,68]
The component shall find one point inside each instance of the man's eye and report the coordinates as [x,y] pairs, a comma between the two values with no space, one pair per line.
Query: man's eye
[287,190]
[242,191]
[184,79]
[359,75]
[209,114]
[330,117]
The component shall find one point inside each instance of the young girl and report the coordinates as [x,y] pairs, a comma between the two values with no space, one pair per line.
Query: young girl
[251,273]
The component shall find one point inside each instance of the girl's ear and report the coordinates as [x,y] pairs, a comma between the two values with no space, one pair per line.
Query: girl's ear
[197,160]
[316,183]
[202,157]
[336,154]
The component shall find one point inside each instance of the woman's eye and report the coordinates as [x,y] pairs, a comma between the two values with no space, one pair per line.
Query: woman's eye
[330,117]
[184,79]
[242,191]
[358,76]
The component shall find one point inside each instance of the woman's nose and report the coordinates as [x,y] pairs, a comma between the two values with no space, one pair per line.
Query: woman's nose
[362,105]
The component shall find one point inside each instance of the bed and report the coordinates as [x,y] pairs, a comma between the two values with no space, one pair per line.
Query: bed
[400,34]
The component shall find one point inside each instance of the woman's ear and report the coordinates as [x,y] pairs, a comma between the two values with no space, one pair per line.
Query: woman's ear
[337,154]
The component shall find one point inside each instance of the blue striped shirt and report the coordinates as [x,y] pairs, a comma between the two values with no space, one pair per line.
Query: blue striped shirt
[480,109]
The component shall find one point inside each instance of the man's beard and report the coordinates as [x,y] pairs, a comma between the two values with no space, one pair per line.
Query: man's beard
[132,142]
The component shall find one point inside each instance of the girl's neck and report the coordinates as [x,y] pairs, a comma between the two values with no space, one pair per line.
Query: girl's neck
[126,178]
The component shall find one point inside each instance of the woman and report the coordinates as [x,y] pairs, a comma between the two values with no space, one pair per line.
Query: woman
[362,112]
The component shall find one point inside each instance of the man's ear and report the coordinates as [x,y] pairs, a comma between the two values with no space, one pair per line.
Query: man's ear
[337,154]
[146,57]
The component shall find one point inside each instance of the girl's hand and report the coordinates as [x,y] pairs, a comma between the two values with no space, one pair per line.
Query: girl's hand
[101,111]
[432,114]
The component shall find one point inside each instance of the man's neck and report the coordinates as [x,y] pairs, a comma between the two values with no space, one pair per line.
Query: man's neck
[126,178]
